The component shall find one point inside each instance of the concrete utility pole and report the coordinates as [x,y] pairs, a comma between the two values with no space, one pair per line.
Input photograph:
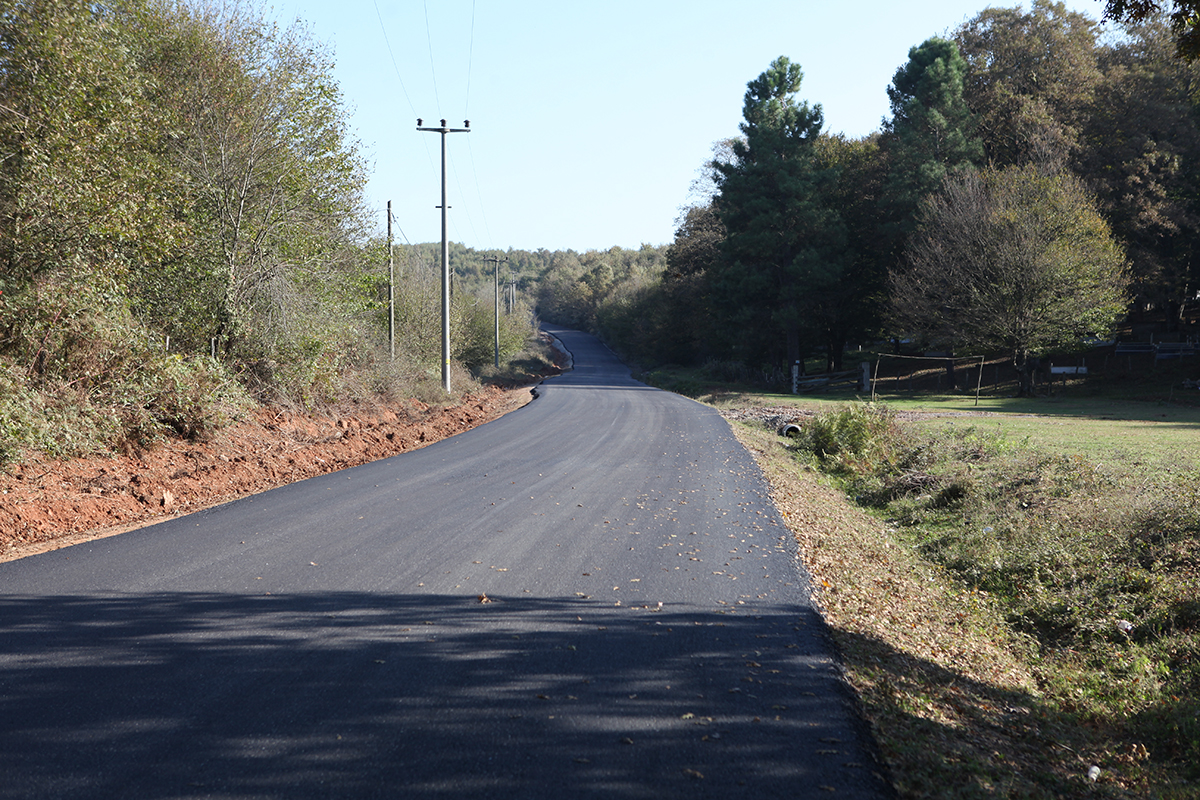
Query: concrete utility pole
[391,289]
[496,277]
[443,130]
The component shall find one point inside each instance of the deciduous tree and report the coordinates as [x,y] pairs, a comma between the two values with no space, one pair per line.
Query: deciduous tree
[274,179]
[1183,16]
[81,161]
[1031,80]
[1141,155]
[1016,260]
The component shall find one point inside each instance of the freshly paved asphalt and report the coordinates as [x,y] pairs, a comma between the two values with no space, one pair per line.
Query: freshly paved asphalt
[327,639]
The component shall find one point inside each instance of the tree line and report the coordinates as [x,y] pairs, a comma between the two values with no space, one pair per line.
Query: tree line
[1034,185]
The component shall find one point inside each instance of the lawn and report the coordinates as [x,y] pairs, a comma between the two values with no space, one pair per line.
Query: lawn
[1118,431]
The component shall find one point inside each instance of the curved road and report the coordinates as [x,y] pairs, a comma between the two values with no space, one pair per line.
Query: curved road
[592,596]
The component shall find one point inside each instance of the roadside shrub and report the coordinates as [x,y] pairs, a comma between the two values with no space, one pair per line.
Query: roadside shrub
[669,381]
[728,371]
[79,374]
[22,418]
[856,441]
[534,360]
[192,397]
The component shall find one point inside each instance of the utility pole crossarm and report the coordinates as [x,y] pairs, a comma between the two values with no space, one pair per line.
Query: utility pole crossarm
[443,129]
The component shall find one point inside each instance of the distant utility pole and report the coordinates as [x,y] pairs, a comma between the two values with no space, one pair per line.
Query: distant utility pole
[443,130]
[391,289]
[496,277]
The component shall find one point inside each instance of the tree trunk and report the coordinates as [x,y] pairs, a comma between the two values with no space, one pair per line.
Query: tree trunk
[1026,367]
[793,348]
[833,360]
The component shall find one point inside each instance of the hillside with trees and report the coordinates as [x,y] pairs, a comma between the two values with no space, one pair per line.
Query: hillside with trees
[183,234]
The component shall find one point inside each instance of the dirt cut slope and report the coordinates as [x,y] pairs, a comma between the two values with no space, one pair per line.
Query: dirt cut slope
[47,504]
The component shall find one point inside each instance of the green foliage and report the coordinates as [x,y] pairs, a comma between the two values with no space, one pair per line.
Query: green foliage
[193,397]
[273,180]
[932,132]
[1142,157]
[851,310]
[529,364]
[845,441]
[172,170]
[1031,80]
[574,287]
[1183,16]
[79,374]
[81,142]
[1013,260]
[473,336]
[21,415]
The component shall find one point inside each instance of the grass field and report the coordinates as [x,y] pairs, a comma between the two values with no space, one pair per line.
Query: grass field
[1015,586]
[1118,430]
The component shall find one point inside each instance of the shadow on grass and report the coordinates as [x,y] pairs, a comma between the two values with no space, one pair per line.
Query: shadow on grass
[372,695]
[954,737]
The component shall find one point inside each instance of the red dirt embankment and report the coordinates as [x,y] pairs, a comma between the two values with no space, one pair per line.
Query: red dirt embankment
[46,504]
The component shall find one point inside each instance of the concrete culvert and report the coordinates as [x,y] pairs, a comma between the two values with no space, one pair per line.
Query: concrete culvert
[790,430]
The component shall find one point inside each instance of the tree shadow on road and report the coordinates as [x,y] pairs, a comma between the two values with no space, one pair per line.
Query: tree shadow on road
[383,695]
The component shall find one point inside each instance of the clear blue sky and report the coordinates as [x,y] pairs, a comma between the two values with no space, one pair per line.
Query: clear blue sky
[590,120]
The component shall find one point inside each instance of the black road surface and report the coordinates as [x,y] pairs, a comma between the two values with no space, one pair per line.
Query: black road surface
[592,596]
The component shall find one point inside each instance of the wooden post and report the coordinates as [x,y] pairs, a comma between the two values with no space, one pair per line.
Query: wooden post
[979,382]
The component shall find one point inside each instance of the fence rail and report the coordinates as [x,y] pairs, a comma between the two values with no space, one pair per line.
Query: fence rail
[827,381]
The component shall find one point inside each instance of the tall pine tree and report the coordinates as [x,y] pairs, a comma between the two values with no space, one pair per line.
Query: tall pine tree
[931,133]
[784,246]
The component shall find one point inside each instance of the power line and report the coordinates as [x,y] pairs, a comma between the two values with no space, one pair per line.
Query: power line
[461,193]
[432,71]
[470,149]
[400,78]
[392,56]
[479,193]
[470,56]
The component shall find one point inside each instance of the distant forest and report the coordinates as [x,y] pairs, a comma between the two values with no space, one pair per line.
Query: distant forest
[1036,186]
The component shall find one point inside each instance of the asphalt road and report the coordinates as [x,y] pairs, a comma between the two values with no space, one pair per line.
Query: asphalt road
[647,631]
